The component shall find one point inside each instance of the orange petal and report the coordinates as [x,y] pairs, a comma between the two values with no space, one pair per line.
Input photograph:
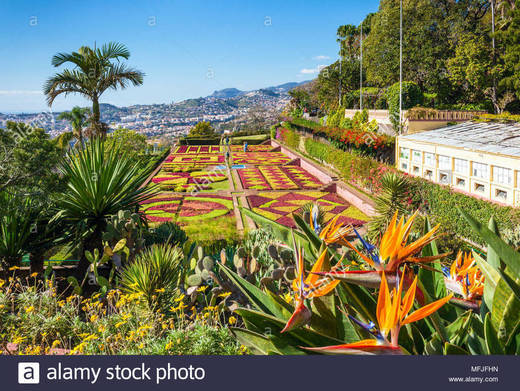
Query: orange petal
[427,310]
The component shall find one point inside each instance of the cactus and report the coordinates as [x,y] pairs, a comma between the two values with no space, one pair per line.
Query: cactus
[256,251]
[273,252]
[286,255]
[238,261]
[208,263]
[241,252]
[194,280]
[290,273]
[277,274]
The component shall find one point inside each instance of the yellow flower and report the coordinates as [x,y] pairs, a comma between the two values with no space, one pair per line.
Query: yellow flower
[119,324]
[180,298]
[102,329]
[202,289]
[14,268]
[161,290]
[94,317]
[34,274]
[90,337]
[2,282]
[168,345]
[225,294]
[232,320]
[56,343]
[29,309]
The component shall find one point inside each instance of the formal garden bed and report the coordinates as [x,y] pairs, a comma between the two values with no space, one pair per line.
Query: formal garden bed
[287,177]
[279,206]
[260,158]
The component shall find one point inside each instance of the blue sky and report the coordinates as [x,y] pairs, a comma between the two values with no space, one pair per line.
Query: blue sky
[186,48]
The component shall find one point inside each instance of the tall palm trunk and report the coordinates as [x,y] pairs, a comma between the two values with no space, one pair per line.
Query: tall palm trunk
[100,130]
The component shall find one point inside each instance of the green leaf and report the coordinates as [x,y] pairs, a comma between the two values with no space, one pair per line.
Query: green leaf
[492,342]
[311,235]
[259,299]
[492,257]
[505,316]
[492,278]
[280,231]
[256,342]
[102,281]
[119,245]
[450,349]
[359,299]
[432,281]
[512,284]
[507,254]
[269,324]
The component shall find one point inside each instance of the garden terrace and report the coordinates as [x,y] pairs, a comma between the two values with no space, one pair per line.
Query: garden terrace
[199,186]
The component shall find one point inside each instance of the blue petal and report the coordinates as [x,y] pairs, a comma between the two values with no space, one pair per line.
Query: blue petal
[370,248]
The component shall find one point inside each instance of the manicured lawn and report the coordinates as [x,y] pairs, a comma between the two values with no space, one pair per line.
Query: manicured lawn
[254,137]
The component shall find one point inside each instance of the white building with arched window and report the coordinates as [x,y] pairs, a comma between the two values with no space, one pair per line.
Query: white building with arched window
[478,158]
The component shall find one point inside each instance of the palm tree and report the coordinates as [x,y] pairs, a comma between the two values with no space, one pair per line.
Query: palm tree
[100,183]
[78,118]
[95,71]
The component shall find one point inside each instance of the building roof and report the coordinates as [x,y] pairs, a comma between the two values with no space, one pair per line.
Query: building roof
[491,137]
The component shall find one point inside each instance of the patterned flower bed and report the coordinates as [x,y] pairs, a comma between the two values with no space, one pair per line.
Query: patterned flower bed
[279,206]
[187,158]
[260,158]
[196,149]
[277,178]
[188,180]
[183,209]
[204,206]
[161,208]
[252,148]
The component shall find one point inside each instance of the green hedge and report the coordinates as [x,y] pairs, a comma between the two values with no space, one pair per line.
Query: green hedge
[200,141]
[440,202]
[442,205]
[359,170]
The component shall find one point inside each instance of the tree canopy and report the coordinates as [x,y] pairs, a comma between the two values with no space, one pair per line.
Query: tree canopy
[449,52]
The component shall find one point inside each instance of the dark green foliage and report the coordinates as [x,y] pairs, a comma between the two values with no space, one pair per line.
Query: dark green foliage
[94,71]
[411,96]
[168,232]
[202,129]
[100,183]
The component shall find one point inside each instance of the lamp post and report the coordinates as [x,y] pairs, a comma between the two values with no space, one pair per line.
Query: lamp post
[361,69]
[400,66]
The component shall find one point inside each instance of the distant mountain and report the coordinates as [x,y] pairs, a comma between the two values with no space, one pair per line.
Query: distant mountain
[286,87]
[234,92]
[226,93]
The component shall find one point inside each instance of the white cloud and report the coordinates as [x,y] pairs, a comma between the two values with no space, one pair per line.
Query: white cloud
[20,92]
[321,57]
[311,71]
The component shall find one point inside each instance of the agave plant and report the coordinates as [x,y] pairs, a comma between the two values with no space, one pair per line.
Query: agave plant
[154,271]
[15,229]
[99,184]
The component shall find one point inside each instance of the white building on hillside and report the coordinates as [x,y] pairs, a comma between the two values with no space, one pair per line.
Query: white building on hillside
[479,158]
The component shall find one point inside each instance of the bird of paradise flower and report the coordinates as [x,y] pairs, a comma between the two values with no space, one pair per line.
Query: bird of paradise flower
[392,313]
[394,251]
[464,277]
[308,287]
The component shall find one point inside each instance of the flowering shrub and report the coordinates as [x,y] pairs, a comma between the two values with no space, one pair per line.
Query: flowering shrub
[36,319]
[360,136]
